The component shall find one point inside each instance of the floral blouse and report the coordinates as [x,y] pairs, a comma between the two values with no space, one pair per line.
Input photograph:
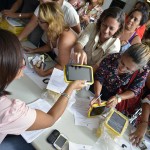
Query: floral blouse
[107,75]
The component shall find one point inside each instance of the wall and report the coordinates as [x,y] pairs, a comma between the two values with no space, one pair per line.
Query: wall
[129,4]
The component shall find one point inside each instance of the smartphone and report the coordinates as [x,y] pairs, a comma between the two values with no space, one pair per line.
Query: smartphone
[53,136]
[78,72]
[60,142]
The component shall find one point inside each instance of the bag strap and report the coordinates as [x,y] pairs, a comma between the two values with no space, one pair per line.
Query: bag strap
[132,78]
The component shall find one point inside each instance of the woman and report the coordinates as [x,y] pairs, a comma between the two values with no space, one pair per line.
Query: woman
[90,12]
[15,116]
[135,19]
[137,136]
[100,39]
[115,72]
[61,38]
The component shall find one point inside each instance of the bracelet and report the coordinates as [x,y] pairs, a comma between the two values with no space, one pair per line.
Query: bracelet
[66,95]
[20,15]
[146,100]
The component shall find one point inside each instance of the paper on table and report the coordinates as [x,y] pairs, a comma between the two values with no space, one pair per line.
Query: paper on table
[80,110]
[74,146]
[56,82]
[40,104]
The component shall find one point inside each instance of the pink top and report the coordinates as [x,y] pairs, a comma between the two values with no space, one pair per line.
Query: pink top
[15,117]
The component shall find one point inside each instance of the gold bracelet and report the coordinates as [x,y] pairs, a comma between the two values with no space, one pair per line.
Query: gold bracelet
[66,95]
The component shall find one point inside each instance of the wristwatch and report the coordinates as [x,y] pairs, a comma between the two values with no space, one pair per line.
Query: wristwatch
[119,99]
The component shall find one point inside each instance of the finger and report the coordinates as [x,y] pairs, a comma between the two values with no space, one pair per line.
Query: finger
[78,58]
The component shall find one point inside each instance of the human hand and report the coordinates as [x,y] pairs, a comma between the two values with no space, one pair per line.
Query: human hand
[40,70]
[80,57]
[9,13]
[78,84]
[95,100]
[112,102]
[86,18]
[28,50]
[137,136]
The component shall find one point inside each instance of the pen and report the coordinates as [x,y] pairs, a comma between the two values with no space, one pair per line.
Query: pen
[98,97]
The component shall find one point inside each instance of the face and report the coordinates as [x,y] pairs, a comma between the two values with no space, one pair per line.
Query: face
[108,28]
[127,65]
[133,21]
[43,24]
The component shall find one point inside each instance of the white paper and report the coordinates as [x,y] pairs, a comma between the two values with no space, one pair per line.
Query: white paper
[74,146]
[80,111]
[56,82]
[14,22]
[40,104]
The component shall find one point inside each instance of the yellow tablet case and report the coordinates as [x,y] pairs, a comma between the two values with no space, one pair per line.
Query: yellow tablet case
[90,83]
[114,131]
[95,106]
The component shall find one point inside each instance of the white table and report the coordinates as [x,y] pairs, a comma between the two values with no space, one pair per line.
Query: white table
[26,90]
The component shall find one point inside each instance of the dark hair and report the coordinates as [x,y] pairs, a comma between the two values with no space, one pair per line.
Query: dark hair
[116,13]
[140,53]
[145,14]
[11,59]
[143,5]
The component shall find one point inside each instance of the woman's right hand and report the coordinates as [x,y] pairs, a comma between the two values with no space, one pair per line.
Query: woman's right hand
[95,101]
[77,85]
[80,57]
[28,50]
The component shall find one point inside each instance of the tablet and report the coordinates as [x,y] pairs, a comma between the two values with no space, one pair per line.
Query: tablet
[116,122]
[78,72]
[96,109]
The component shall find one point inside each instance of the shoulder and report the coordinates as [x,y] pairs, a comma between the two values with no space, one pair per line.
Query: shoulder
[68,36]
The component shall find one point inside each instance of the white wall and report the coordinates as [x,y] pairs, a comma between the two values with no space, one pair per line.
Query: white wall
[129,4]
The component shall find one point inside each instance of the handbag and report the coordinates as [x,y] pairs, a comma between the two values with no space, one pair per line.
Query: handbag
[129,106]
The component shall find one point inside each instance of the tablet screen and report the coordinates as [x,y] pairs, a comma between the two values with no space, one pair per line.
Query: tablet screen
[116,122]
[79,73]
[97,111]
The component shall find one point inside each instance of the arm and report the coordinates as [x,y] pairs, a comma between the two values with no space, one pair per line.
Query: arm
[76,28]
[16,6]
[28,28]
[113,101]
[44,120]
[137,136]
[42,49]
[66,42]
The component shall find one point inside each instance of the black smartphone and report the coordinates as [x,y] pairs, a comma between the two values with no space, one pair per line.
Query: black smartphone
[53,136]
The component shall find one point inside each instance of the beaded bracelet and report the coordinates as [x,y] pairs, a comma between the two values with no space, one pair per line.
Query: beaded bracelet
[66,95]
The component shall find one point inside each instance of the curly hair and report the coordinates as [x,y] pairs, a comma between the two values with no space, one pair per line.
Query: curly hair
[52,14]
[116,13]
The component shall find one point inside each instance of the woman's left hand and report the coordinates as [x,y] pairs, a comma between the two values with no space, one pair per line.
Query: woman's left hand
[40,71]
[112,102]
[137,136]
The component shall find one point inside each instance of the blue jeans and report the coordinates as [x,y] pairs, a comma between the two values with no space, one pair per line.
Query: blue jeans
[15,142]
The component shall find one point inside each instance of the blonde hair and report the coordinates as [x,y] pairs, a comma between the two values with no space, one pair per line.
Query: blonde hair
[100,2]
[52,14]
[140,53]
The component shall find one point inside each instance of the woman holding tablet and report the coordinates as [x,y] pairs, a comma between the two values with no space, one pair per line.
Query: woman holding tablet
[15,116]
[101,38]
[115,72]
